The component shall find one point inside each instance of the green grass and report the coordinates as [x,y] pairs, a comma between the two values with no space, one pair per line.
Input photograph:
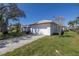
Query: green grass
[66,45]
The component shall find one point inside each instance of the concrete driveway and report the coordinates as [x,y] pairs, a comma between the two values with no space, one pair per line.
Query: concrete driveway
[14,43]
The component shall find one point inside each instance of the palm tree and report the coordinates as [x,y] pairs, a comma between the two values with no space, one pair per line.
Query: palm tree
[9,11]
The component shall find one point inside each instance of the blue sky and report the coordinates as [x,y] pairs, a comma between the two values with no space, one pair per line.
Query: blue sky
[38,11]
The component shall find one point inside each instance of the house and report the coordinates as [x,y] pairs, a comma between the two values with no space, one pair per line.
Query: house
[45,27]
[25,28]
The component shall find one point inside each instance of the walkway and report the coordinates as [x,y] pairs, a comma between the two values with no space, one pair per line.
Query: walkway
[11,44]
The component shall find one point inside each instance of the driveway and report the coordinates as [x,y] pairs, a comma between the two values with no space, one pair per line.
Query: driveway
[14,43]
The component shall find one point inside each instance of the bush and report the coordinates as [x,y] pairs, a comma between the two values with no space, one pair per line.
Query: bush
[14,33]
[1,35]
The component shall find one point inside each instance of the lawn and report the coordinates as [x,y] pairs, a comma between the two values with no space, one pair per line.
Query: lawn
[66,45]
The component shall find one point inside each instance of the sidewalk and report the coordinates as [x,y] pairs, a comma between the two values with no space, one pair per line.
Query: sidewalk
[12,44]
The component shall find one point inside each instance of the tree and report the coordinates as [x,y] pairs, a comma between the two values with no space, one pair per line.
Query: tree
[9,11]
[17,27]
[59,20]
[72,25]
[74,22]
[77,20]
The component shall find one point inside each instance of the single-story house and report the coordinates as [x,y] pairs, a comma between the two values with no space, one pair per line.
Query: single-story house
[44,27]
[25,28]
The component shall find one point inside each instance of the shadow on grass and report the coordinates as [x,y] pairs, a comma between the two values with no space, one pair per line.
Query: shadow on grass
[66,36]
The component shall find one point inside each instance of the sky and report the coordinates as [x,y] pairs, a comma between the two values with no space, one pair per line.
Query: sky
[46,11]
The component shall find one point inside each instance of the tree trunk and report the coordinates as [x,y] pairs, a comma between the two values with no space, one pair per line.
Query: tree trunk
[5,27]
[60,31]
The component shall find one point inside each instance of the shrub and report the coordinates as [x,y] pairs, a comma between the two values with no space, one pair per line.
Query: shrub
[1,35]
[14,33]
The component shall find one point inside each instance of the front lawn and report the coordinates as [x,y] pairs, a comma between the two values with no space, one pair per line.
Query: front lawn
[66,45]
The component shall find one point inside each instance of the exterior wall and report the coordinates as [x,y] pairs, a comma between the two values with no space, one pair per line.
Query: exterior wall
[54,29]
[45,28]
[41,30]
[25,29]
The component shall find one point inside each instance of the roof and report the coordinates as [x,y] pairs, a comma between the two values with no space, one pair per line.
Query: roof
[44,22]
[24,25]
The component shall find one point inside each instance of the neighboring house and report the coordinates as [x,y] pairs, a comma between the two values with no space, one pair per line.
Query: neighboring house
[72,27]
[25,28]
[45,27]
